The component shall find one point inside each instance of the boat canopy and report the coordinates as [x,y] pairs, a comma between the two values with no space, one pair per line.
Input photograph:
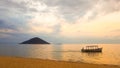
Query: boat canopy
[92,46]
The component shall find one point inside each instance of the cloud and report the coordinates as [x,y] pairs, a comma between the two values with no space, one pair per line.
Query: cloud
[45,22]
[70,9]
[101,8]
[98,22]
[60,19]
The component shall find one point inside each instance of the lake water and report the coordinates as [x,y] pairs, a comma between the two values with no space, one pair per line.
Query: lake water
[64,52]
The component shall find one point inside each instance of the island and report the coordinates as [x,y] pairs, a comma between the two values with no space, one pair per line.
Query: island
[35,40]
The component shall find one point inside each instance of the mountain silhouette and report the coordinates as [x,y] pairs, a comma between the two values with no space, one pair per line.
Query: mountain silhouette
[35,40]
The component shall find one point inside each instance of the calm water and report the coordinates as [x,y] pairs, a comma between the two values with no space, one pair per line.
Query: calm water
[65,52]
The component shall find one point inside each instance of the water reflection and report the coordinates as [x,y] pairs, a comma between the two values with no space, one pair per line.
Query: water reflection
[91,54]
[55,53]
[66,52]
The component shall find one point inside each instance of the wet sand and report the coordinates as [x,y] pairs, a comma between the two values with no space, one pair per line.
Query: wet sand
[14,62]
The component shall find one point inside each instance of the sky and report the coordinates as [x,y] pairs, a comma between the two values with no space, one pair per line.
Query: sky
[60,21]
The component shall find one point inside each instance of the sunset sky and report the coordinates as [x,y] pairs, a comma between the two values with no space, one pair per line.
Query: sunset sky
[60,21]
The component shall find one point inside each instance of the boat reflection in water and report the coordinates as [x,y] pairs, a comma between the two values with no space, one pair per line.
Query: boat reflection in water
[92,48]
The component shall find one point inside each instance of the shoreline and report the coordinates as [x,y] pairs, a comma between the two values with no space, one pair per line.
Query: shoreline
[17,62]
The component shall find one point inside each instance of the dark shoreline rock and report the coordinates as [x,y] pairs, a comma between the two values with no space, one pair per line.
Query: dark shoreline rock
[35,40]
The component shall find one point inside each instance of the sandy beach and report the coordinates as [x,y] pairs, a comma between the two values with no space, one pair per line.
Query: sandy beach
[14,62]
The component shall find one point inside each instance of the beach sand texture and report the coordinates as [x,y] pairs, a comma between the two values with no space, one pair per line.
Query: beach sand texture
[14,62]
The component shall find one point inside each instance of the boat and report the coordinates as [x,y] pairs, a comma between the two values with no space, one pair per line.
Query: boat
[92,48]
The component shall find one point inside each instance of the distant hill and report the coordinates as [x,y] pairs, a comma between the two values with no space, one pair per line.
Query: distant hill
[35,40]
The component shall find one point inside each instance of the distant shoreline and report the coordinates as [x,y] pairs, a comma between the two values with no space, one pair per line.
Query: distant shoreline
[16,62]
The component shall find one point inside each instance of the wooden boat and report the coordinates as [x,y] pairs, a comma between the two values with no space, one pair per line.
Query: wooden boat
[93,48]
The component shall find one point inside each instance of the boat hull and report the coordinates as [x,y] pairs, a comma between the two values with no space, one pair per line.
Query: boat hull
[92,50]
